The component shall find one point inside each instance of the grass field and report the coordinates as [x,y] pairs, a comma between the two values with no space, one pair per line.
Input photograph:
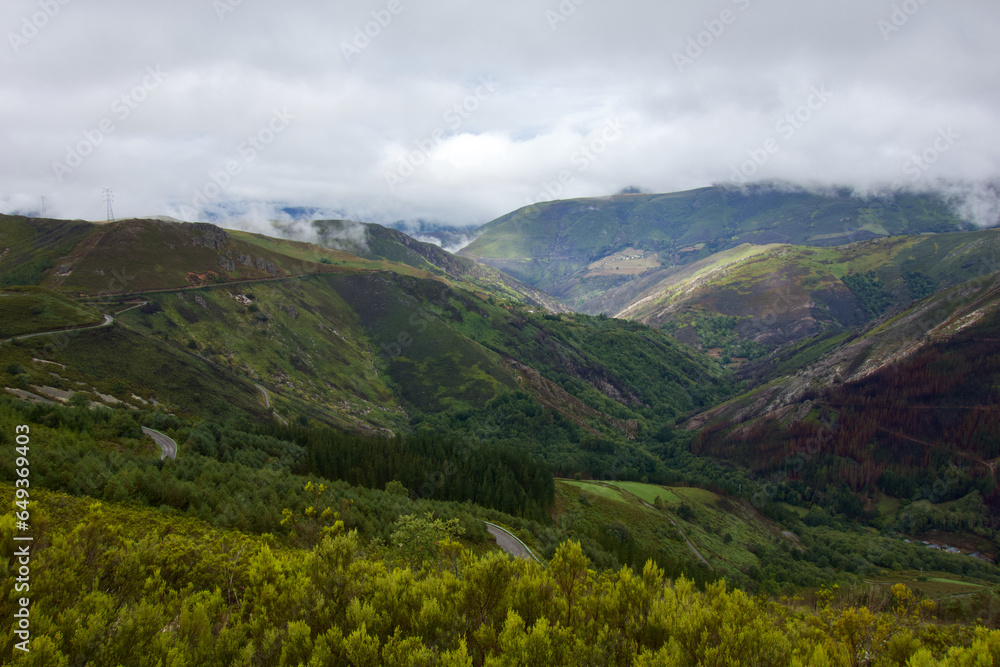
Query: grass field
[631,261]
[931,584]
[597,490]
[648,492]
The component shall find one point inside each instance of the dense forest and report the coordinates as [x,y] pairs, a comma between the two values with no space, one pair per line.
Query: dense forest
[113,584]
[429,466]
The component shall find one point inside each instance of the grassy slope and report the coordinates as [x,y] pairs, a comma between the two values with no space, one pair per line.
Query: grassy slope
[120,362]
[375,242]
[621,369]
[317,254]
[753,539]
[411,323]
[31,246]
[297,337]
[25,310]
[713,518]
[370,342]
[792,292]
[141,255]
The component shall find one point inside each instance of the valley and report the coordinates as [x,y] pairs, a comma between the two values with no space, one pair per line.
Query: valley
[717,387]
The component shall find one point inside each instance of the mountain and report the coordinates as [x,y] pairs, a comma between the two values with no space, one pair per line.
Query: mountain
[578,249]
[348,418]
[29,246]
[906,406]
[405,337]
[754,298]
[376,242]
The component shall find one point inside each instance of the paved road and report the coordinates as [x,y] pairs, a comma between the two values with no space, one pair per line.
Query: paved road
[267,404]
[509,543]
[167,445]
[267,399]
[107,322]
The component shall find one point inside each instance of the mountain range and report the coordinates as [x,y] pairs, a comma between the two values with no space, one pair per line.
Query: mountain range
[813,361]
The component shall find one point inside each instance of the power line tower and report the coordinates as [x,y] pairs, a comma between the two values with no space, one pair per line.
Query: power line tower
[45,209]
[109,197]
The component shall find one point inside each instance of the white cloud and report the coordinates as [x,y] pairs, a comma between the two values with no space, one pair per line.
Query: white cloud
[557,89]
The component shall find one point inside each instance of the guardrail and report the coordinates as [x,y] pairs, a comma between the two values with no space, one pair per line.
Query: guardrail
[516,538]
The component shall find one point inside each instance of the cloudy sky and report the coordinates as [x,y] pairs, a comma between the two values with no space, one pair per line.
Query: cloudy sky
[458,112]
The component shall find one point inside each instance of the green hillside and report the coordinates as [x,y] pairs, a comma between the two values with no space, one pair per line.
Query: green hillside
[718,536]
[554,245]
[30,247]
[346,424]
[383,243]
[131,256]
[363,344]
[27,310]
[777,294]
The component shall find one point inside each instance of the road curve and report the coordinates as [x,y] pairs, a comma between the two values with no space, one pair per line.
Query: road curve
[267,399]
[107,322]
[267,404]
[167,445]
[509,543]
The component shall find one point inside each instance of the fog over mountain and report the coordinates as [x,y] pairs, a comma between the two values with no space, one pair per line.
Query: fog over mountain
[457,112]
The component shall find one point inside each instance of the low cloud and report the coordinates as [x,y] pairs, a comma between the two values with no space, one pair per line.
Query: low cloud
[344,123]
[346,235]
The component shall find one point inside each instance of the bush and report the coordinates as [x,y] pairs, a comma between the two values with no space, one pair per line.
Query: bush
[79,399]
[396,488]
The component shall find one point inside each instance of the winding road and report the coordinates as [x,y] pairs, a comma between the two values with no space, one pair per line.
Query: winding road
[167,444]
[108,320]
[267,404]
[509,543]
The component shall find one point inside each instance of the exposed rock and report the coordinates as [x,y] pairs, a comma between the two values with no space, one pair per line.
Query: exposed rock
[28,396]
[265,265]
[211,236]
[52,392]
[111,400]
